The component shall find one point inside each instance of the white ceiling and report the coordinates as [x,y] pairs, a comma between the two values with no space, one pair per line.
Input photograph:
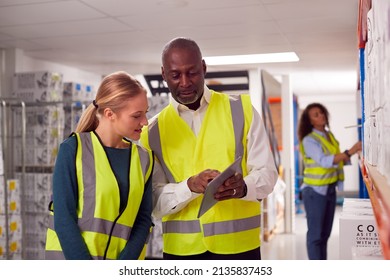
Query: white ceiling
[102,36]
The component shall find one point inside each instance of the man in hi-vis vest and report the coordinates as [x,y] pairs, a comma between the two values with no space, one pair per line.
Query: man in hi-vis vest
[194,138]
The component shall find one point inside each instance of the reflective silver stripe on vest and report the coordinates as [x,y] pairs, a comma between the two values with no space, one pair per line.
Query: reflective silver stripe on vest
[238,120]
[51,222]
[312,165]
[155,145]
[148,238]
[104,226]
[89,181]
[323,176]
[181,226]
[238,125]
[231,226]
[144,159]
[211,229]
[58,255]
[54,255]
[87,223]
[99,225]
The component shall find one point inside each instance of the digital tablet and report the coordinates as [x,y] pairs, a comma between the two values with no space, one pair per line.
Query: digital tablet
[208,200]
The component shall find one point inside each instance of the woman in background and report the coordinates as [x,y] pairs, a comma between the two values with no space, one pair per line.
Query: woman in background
[102,199]
[323,171]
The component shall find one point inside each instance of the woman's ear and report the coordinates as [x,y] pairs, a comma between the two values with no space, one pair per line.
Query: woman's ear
[108,113]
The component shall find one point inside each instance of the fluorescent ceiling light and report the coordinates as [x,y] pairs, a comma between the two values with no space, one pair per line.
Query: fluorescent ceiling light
[252,58]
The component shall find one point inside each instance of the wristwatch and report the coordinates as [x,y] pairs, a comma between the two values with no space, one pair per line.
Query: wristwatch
[347,153]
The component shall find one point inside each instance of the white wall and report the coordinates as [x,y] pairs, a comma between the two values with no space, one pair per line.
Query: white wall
[70,74]
[255,89]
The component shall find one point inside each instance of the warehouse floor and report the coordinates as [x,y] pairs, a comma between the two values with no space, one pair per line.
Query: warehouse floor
[286,246]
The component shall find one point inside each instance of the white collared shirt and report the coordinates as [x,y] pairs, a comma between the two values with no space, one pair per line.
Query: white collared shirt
[262,175]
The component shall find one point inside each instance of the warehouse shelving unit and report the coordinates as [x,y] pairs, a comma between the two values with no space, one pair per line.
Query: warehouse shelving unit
[31,133]
[35,119]
[374,131]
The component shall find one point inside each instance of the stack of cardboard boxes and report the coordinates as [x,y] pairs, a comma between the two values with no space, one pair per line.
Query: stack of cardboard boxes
[76,97]
[36,135]
[37,122]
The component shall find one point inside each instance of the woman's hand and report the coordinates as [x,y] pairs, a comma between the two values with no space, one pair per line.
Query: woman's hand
[355,148]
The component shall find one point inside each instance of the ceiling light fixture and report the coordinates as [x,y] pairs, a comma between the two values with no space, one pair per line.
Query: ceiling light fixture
[252,58]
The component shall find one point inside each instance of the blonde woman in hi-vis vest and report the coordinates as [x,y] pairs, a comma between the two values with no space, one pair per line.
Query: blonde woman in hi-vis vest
[102,193]
[323,173]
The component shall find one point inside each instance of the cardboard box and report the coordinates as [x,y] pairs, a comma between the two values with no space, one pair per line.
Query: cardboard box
[37,80]
[40,86]
[78,92]
[358,234]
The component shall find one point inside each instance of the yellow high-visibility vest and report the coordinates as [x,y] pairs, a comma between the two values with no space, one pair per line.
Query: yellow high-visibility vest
[315,174]
[231,226]
[104,229]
